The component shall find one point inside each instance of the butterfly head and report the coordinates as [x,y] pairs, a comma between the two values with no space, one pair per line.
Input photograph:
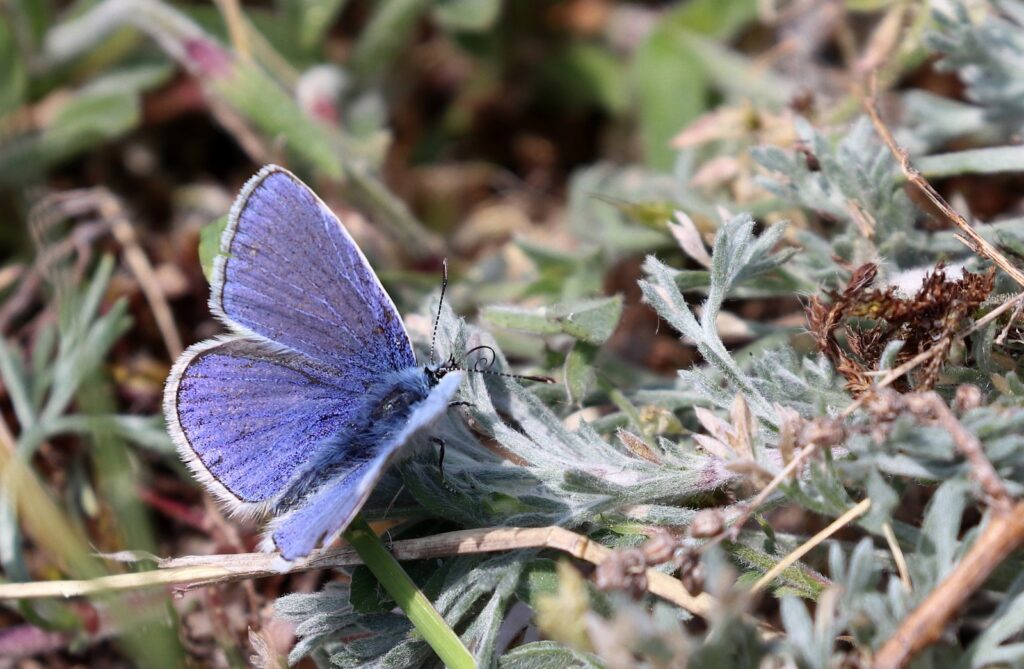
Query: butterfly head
[481,365]
[435,373]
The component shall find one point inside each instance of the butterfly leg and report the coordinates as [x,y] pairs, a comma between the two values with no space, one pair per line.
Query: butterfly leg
[440,455]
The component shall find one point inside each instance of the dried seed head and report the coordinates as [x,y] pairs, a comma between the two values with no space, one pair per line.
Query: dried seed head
[790,425]
[811,160]
[707,523]
[823,431]
[968,396]
[659,548]
[691,570]
[925,317]
[624,569]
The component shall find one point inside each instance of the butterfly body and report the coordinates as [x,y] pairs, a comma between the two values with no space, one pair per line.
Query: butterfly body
[387,406]
[298,411]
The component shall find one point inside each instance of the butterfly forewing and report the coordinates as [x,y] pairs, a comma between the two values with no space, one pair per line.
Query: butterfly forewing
[289,272]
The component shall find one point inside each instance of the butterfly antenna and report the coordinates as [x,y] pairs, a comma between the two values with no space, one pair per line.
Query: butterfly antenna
[521,377]
[484,363]
[440,303]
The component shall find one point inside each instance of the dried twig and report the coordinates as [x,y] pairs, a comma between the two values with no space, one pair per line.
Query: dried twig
[196,571]
[925,625]
[969,236]
[836,525]
[110,209]
[1003,534]
[929,405]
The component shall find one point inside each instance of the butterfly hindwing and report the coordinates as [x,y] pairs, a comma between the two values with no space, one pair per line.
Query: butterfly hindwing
[289,272]
[331,508]
[245,415]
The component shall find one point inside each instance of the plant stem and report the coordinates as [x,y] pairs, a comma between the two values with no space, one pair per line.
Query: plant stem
[414,603]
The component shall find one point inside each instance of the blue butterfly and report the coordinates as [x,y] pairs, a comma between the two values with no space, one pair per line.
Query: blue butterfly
[298,412]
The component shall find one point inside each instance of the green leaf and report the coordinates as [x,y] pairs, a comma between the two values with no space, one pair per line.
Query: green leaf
[366,593]
[145,431]
[262,100]
[105,109]
[17,384]
[592,321]
[671,81]
[583,75]
[536,321]
[468,15]
[579,371]
[540,654]
[713,18]
[540,579]
[13,79]
[88,119]
[671,91]
[209,244]
[731,259]
[974,161]
[385,35]
[500,504]
[654,214]
[740,77]
[312,19]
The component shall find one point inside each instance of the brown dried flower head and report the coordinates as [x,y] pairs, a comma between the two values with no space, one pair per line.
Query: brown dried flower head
[928,320]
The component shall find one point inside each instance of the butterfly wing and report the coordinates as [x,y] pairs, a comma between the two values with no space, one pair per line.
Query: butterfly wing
[317,331]
[245,414]
[330,509]
[289,272]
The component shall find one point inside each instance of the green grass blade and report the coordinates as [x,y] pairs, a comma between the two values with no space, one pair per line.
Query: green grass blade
[421,612]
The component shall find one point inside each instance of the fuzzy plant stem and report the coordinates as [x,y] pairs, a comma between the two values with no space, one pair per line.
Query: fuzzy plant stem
[421,612]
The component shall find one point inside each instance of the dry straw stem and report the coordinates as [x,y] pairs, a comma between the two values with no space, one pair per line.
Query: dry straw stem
[897,556]
[195,571]
[110,209]
[809,545]
[238,33]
